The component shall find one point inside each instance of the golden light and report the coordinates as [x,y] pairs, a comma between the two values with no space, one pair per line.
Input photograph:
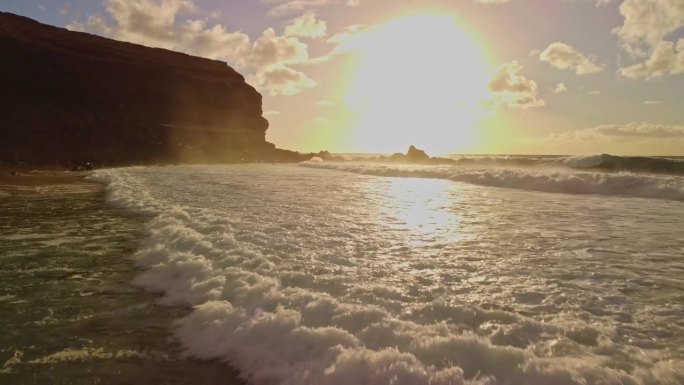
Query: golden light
[421,209]
[420,80]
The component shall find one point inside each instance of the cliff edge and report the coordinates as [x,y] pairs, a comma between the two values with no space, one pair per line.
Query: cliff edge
[69,97]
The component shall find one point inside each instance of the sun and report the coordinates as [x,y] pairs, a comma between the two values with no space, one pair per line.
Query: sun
[420,80]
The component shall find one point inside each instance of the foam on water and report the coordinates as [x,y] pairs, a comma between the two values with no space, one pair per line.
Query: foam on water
[628,184]
[602,162]
[287,311]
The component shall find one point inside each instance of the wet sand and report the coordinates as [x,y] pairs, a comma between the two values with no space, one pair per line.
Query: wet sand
[39,176]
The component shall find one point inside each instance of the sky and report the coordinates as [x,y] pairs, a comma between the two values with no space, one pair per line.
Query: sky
[449,76]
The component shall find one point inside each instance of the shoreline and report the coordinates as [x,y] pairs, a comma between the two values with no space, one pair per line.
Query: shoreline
[24,176]
[81,296]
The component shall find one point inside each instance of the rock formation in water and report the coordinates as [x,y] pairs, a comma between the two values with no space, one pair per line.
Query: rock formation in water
[70,97]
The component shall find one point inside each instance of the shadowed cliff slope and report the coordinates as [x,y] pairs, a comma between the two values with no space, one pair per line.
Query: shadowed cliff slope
[70,96]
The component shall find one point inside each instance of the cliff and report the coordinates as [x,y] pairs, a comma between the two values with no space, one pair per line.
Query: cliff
[70,97]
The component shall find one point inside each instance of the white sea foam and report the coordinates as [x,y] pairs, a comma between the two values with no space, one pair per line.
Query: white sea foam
[283,312]
[627,184]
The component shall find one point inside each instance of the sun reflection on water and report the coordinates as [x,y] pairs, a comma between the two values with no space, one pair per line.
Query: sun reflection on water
[422,210]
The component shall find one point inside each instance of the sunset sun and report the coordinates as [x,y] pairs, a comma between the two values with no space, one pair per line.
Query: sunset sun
[420,80]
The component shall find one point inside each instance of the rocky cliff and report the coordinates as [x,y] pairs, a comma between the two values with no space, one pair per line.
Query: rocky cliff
[71,97]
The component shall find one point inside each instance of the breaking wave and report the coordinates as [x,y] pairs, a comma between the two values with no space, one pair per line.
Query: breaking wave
[608,162]
[278,324]
[603,162]
[569,182]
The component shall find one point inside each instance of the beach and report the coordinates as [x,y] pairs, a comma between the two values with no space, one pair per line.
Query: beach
[12,176]
[342,272]
[70,312]
[335,273]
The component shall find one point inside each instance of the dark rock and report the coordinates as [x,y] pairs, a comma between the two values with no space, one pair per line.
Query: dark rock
[70,95]
[415,155]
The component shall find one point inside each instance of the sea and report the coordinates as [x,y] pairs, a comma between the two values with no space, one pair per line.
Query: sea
[486,270]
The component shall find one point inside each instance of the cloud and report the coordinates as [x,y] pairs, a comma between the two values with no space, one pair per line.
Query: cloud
[273,50]
[560,88]
[287,7]
[155,23]
[147,20]
[282,80]
[652,102]
[95,24]
[594,92]
[306,26]
[564,56]
[346,34]
[512,89]
[627,131]
[666,58]
[647,23]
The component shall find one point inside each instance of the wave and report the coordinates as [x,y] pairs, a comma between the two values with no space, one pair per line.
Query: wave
[569,182]
[277,325]
[603,162]
[608,162]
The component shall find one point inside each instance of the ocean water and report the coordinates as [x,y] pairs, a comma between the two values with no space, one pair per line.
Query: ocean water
[68,311]
[361,273]
[486,272]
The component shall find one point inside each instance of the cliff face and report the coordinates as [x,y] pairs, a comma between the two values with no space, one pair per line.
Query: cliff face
[69,96]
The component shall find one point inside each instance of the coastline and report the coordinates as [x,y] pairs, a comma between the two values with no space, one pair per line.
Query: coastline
[40,176]
[71,306]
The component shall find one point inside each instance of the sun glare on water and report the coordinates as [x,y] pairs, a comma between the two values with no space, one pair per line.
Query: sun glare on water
[420,80]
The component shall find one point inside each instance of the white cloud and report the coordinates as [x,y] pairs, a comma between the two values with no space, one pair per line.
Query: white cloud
[560,88]
[565,56]
[288,7]
[154,23]
[512,89]
[273,50]
[652,102]
[282,80]
[647,24]
[353,3]
[148,22]
[594,92]
[306,25]
[666,58]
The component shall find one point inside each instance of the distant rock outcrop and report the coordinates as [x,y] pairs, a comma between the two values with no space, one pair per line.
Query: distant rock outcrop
[415,155]
[68,97]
